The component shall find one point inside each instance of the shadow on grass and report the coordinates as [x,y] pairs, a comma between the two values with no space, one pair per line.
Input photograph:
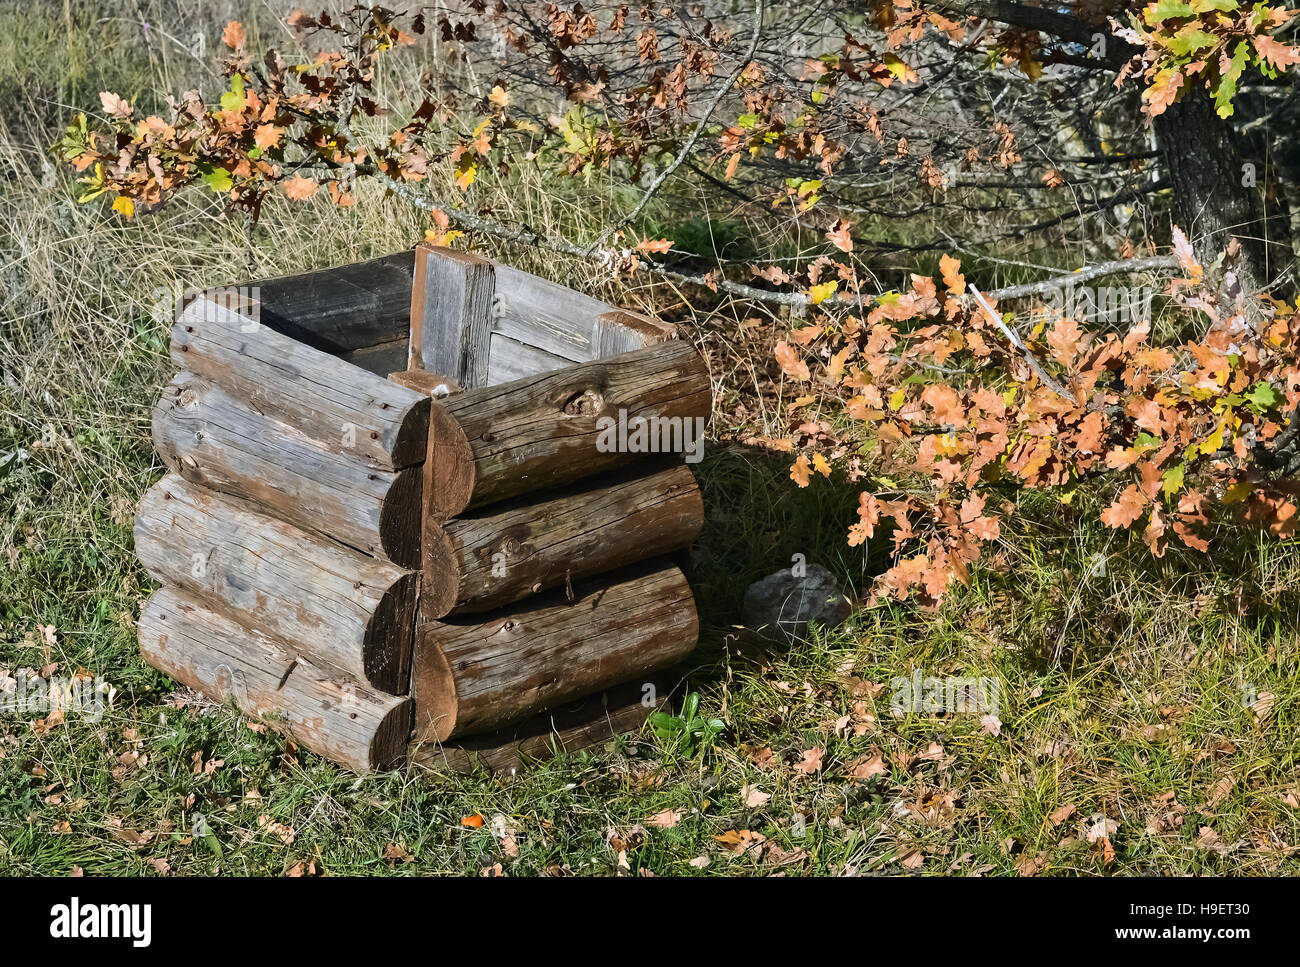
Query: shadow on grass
[756,520]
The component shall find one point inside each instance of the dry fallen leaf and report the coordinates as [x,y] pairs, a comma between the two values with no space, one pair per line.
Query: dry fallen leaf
[753,797]
[1028,865]
[739,842]
[1061,814]
[665,819]
[864,767]
[810,760]
[285,833]
[1208,839]
[397,853]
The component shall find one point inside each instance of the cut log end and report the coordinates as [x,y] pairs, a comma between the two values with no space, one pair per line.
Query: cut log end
[449,473]
[399,520]
[475,676]
[433,681]
[440,589]
[387,654]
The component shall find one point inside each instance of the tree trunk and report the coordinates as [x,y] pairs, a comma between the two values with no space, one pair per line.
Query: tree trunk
[1202,154]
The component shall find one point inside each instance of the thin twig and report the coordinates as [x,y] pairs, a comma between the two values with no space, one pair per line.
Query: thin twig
[689,146]
[1016,341]
[1117,267]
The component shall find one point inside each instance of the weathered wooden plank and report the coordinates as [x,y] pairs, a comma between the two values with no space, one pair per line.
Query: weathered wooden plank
[546,315]
[342,309]
[568,728]
[211,438]
[543,431]
[620,331]
[325,602]
[426,381]
[510,360]
[343,721]
[451,314]
[521,547]
[341,406]
[476,675]
[380,359]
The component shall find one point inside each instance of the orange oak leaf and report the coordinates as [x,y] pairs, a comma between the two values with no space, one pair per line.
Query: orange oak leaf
[114,105]
[839,236]
[950,268]
[656,245]
[299,188]
[801,471]
[1124,511]
[233,35]
[790,362]
[1278,54]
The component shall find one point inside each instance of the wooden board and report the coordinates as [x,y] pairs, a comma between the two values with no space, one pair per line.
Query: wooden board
[546,315]
[341,406]
[477,674]
[323,601]
[345,722]
[560,322]
[451,314]
[519,548]
[545,431]
[213,439]
[342,309]
[381,359]
[509,360]
[567,728]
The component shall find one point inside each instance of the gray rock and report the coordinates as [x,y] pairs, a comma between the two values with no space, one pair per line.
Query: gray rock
[781,605]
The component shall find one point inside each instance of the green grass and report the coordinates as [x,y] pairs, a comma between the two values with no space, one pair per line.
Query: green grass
[1121,692]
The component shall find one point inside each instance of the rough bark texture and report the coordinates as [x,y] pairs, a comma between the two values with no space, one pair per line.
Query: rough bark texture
[1205,168]
[522,547]
[341,406]
[323,601]
[347,723]
[494,443]
[566,728]
[477,675]
[213,439]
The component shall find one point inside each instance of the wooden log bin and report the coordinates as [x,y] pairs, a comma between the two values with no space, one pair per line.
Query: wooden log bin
[423,508]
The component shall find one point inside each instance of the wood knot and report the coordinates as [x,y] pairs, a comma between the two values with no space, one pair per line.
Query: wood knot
[586,403]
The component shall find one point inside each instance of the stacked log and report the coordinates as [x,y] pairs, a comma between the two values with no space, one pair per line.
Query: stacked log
[286,534]
[365,562]
[479,674]
[211,653]
[545,570]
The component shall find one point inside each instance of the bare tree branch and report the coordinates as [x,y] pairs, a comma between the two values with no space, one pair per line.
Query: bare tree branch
[1016,341]
[689,146]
